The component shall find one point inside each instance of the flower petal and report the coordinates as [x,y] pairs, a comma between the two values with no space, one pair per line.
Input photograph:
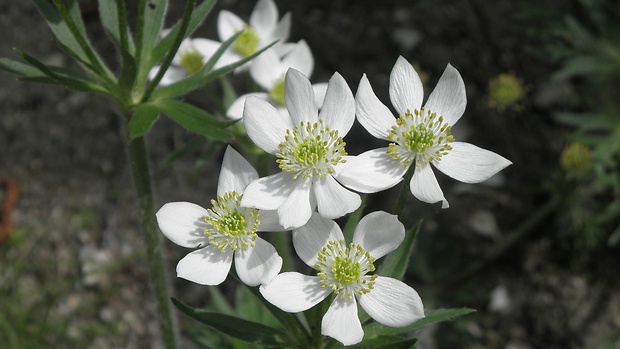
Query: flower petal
[269,221]
[172,75]
[379,233]
[236,173]
[371,113]
[268,193]
[264,17]
[470,164]
[228,24]
[267,69]
[181,223]
[392,303]
[300,58]
[207,266]
[310,238]
[296,209]
[257,265]
[235,111]
[299,97]
[342,323]
[264,124]
[338,109]
[281,33]
[207,48]
[294,292]
[320,90]
[333,200]
[448,99]
[371,171]
[425,188]
[406,91]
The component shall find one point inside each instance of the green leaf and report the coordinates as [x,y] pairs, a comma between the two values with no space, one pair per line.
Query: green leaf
[144,115]
[247,331]
[128,71]
[354,218]
[229,95]
[194,119]
[375,329]
[204,76]
[387,342]
[395,264]
[108,13]
[163,46]
[19,68]
[153,23]
[59,28]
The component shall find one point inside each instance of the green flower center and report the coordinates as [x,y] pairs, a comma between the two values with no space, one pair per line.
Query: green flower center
[277,92]
[191,61]
[421,136]
[345,268]
[230,226]
[311,150]
[247,42]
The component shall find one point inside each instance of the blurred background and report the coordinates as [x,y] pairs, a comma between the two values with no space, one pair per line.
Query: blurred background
[535,249]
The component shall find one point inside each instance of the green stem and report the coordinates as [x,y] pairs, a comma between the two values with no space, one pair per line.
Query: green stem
[140,171]
[121,12]
[404,193]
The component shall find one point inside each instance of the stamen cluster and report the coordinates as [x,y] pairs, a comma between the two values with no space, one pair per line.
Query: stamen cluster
[420,135]
[230,226]
[247,42]
[191,61]
[343,268]
[311,149]
[277,91]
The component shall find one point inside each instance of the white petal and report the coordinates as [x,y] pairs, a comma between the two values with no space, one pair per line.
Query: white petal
[299,97]
[371,113]
[425,188]
[448,99]
[338,109]
[470,164]
[294,292]
[320,90]
[236,173]
[300,58]
[333,200]
[181,223]
[371,171]
[257,265]
[379,233]
[172,75]
[281,33]
[392,303]
[207,266]
[309,239]
[405,87]
[205,47]
[264,16]
[296,209]
[269,221]
[264,124]
[342,323]
[268,193]
[235,111]
[228,24]
[267,69]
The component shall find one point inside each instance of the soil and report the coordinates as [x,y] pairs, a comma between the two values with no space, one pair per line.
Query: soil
[73,271]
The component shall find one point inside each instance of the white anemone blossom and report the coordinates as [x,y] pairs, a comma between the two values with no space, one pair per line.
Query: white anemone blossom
[191,56]
[309,150]
[419,137]
[263,29]
[344,269]
[223,231]
[268,71]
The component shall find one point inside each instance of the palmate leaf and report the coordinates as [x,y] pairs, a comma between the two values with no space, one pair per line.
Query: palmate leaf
[195,119]
[375,329]
[247,331]
[205,75]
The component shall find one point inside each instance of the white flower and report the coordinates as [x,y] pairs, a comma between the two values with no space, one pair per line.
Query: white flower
[191,56]
[268,71]
[223,231]
[263,29]
[309,148]
[343,269]
[420,136]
